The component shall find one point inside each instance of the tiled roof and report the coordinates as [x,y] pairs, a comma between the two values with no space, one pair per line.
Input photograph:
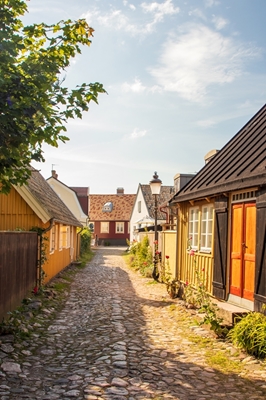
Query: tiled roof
[122,207]
[240,164]
[165,195]
[49,200]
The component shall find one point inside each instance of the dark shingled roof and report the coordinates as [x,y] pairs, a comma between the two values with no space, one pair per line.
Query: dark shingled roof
[49,200]
[240,164]
[165,194]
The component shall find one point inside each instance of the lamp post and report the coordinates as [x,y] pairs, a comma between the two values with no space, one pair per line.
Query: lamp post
[155,185]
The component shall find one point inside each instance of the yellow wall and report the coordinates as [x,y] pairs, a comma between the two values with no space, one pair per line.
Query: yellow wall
[187,264]
[166,245]
[15,214]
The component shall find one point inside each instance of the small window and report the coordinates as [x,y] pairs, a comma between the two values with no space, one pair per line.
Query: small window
[64,237]
[91,226]
[119,227]
[139,206]
[206,228]
[104,227]
[193,230]
[53,238]
[108,207]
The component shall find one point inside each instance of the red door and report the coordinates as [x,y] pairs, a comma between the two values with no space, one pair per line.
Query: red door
[243,242]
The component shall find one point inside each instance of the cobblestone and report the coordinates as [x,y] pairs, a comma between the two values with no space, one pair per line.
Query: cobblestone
[118,337]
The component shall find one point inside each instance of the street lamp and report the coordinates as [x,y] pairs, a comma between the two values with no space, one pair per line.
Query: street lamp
[155,185]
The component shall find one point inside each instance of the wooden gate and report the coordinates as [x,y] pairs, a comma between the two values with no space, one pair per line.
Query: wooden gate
[243,244]
[18,268]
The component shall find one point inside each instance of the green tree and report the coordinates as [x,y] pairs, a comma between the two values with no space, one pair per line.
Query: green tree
[34,103]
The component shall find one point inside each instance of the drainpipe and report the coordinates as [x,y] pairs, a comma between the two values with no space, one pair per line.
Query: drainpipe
[165,212]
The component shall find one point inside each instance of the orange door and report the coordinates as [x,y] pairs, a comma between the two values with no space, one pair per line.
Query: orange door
[242,272]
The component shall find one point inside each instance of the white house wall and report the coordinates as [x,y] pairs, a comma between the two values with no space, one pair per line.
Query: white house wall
[136,215]
[68,196]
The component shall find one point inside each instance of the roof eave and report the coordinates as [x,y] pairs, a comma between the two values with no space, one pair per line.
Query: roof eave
[237,184]
[27,196]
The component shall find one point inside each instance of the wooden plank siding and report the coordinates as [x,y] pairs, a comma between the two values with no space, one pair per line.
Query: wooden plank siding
[18,268]
[187,264]
[15,214]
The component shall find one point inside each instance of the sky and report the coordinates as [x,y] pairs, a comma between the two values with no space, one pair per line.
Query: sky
[182,77]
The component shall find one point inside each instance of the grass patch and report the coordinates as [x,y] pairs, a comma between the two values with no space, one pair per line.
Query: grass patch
[85,258]
[152,283]
[221,361]
[60,286]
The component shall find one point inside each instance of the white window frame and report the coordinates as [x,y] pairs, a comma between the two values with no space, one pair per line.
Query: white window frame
[119,227]
[193,228]
[104,227]
[53,239]
[64,237]
[206,228]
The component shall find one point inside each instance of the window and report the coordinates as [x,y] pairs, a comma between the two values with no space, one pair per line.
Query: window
[206,228]
[200,228]
[53,238]
[193,228]
[119,227]
[104,227]
[108,207]
[139,206]
[64,237]
[91,226]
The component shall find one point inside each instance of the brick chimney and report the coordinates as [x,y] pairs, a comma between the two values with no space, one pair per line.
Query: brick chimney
[54,174]
[120,190]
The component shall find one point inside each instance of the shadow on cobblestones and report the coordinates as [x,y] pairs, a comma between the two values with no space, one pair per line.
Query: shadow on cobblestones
[114,340]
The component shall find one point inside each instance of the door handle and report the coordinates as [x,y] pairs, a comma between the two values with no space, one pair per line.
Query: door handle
[244,245]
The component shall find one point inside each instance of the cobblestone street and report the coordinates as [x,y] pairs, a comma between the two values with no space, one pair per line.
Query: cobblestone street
[120,338]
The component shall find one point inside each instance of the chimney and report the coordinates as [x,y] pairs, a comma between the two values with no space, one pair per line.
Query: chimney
[180,180]
[120,190]
[54,174]
[210,155]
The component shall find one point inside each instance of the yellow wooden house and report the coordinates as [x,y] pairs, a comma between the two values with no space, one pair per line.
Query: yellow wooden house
[221,220]
[35,205]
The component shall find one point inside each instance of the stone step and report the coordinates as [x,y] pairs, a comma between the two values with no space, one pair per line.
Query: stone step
[230,312]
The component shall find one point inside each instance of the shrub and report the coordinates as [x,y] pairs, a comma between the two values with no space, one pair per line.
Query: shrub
[141,257]
[250,334]
[85,236]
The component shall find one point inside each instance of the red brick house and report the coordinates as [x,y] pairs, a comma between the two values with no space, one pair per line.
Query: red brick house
[109,215]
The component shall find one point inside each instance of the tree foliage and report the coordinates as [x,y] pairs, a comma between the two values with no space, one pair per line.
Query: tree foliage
[34,103]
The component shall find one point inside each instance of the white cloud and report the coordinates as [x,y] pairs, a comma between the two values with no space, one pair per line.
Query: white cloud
[211,3]
[197,13]
[136,87]
[219,22]
[159,10]
[118,20]
[137,133]
[200,57]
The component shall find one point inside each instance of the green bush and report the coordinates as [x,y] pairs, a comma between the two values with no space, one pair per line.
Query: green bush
[141,257]
[85,236]
[250,334]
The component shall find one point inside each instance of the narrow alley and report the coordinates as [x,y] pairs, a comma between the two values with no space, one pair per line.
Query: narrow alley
[118,337]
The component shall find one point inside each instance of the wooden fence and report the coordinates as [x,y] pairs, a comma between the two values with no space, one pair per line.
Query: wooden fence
[18,268]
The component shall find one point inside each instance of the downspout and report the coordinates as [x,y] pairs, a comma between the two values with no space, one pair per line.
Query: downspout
[165,212]
[40,234]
